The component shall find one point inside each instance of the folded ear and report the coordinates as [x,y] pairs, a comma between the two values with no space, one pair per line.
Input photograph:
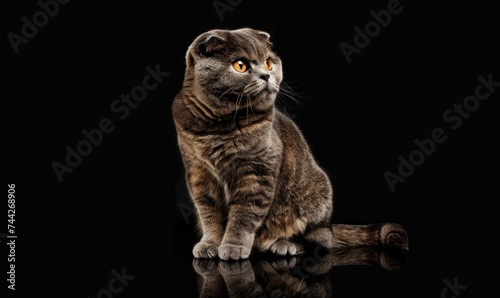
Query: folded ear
[204,45]
[209,43]
[263,35]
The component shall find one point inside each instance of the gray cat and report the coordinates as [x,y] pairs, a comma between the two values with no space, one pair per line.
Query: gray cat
[250,173]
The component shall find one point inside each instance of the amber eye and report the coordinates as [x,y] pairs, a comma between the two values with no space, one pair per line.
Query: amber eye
[240,65]
[268,64]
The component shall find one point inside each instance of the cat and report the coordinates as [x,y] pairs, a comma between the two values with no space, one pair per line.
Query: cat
[249,170]
[306,275]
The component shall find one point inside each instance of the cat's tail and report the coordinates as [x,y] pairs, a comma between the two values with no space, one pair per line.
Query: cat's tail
[390,235]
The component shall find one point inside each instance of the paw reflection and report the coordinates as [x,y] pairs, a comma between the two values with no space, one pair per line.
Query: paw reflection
[205,266]
[282,264]
[305,275]
[235,267]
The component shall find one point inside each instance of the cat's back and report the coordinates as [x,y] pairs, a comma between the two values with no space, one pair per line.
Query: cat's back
[291,135]
[300,172]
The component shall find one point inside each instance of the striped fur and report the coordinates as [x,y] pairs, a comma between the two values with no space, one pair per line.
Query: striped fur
[249,171]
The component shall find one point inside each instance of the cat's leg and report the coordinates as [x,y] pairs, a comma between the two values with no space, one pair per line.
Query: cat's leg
[204,192]
[247,207]
[240,231]
[278,238]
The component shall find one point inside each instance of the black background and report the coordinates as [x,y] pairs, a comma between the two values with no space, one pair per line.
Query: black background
[125,206]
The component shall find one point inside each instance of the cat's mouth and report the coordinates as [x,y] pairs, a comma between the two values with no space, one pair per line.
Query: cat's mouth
[260,89]
[263,92]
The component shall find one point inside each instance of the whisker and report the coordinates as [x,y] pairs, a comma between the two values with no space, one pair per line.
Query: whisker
[250,104]
[250,85]
[289,93]
[282,106]
[230,89]
[287,88]
[238,101]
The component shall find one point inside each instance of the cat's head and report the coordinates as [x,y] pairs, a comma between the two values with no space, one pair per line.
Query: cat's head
[233,69]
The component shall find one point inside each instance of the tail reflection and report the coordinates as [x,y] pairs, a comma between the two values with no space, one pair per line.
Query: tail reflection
[306,275]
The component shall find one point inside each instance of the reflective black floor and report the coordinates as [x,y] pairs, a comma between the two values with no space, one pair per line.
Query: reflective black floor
[307,275]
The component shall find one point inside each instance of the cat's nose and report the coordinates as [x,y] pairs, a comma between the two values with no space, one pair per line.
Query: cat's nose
[265,76]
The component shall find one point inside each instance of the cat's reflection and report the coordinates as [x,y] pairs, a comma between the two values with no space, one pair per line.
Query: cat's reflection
[305,275]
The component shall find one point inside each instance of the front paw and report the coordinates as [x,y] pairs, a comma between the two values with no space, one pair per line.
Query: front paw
[234,252]
[205,249]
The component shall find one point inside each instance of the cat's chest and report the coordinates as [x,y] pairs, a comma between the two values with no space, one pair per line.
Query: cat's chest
[221,151]
[224,153]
